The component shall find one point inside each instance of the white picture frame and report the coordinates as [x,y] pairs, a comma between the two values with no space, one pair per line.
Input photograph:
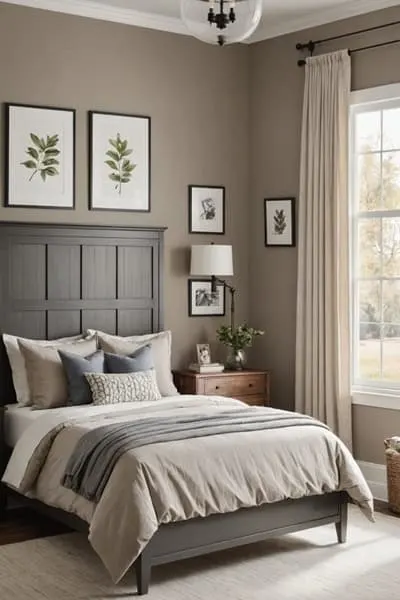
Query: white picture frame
[203,354]
[120,162]
[40,157]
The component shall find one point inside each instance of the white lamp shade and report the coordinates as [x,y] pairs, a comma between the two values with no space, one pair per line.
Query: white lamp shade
[211,259]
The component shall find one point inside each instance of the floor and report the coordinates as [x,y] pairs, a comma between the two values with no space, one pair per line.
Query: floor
[21,524]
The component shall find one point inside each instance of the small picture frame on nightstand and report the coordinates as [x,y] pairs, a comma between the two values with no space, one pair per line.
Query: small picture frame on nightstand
[203,354]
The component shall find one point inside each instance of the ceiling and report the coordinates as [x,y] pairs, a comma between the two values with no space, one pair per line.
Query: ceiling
[279,16]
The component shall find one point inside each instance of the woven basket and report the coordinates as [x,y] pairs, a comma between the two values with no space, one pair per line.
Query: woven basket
[393,477]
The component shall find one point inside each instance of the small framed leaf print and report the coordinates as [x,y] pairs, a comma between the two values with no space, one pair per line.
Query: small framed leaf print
[279,222]
[119,162]
[40,157]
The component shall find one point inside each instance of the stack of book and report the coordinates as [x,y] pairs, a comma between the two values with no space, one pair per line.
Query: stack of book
[209,368]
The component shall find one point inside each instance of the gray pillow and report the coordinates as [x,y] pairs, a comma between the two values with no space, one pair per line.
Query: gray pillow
[75,368]
[140,360]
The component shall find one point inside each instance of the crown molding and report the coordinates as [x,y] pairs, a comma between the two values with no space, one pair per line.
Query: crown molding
[104,12]
[352,8]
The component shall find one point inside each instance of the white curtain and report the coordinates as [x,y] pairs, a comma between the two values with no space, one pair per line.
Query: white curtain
[323,323]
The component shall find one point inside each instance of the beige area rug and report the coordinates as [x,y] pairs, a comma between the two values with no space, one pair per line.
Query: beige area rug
[304,566]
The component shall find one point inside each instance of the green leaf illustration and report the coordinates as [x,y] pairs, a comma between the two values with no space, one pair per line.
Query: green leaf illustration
[280,222]
[121,167]
[42,156]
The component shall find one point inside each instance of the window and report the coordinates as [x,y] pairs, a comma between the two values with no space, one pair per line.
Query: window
[375,209]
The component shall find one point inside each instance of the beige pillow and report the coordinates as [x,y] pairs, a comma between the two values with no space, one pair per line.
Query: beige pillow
[113,388]
[46,377]
[17,362]
[161,349]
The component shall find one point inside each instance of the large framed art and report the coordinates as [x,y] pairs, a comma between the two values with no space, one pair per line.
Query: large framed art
[120,157]
[40,157]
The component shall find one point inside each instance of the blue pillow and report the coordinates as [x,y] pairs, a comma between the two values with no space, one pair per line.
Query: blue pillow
[140,360]
[75,368]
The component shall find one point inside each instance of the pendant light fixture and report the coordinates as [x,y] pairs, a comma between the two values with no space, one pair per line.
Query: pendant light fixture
[221,21]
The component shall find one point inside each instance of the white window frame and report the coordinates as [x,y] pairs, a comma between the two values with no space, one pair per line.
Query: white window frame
[367,393]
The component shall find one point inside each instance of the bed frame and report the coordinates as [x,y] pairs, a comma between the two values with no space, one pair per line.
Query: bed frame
[58,280]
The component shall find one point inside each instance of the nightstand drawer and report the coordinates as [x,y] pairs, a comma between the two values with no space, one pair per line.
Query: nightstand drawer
[235,386]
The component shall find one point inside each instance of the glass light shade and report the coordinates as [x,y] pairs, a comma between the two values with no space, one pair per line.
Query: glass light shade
[194,14]
[211,259]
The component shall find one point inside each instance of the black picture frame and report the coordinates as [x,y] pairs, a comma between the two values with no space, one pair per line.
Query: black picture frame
[272,237]
[194,209]
[197,312]
[92,204]
[8,106]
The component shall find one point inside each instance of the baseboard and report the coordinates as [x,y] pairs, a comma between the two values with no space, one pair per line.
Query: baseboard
[376,479]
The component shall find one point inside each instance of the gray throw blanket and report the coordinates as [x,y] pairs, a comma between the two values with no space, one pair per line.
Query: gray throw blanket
[97,452]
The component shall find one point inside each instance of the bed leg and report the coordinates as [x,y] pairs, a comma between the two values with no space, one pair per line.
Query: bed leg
[3,500]
[143,573]
[341,526]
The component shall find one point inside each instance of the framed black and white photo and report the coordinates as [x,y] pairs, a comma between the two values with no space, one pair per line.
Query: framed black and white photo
[206,209]
[40,157]
[203,302]
[120,156]
[279,222]
[203,354]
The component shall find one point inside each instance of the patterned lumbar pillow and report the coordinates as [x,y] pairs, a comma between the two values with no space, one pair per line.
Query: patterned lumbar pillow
[113,388]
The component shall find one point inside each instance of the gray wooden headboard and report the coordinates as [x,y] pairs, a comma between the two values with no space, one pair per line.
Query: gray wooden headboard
[59,280]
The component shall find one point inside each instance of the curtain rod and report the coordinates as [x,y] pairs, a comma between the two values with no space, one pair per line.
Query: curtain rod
[302,62]
[310,46]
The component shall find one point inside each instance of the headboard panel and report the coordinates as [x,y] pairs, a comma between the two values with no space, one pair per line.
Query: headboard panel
[59,280]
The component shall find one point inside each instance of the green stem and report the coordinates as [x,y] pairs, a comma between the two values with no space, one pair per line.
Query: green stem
[33,174]
[120,176]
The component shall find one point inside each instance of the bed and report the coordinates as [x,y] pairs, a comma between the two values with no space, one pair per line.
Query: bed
[112,280]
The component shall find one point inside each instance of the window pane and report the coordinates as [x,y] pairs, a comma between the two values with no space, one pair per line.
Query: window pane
[369,294]
[391,353]
[369,182]
[391,301]
[391,129]
[391,247]
[391,180]
[368,131]
[369,247]
[369,359]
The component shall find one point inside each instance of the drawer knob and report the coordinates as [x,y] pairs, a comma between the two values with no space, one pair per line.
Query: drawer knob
[217,387]
[250,385]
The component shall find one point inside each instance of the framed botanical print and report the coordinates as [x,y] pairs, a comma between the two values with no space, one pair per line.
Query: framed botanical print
[119,162]
[40,157]
[206,209]
[203,302]
[279,222]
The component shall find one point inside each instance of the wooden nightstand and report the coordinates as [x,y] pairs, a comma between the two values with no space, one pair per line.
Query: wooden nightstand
[250,386]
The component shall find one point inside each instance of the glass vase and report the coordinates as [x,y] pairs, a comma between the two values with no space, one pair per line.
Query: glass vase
[236,359]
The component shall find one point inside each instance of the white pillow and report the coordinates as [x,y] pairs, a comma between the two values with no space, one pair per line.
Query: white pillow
[161,348]
[17,362]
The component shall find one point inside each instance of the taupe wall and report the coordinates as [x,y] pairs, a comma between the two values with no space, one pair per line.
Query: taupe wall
[276,105]
[198,99]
